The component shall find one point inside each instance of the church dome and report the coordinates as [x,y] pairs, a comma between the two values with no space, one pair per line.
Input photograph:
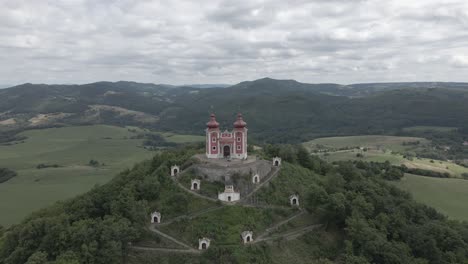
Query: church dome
[212,123]
[240,122]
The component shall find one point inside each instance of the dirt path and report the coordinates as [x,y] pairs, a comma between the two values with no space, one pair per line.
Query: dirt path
[173,250]
[272,174]
[276,226]
[192,215]
[289,235]
[178,242]
[192,192]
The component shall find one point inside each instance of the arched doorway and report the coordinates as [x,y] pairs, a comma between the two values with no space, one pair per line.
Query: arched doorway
[203,245]
[255,179]
[276,163]
[226,151]
[248,239]
[229,198]
[155,219]
[195,186]
[176,171]
[294,201]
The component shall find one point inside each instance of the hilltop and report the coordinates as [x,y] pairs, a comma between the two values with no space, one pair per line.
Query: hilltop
[349,214]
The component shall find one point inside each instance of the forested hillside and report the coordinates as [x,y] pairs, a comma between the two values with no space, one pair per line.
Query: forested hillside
[276,110]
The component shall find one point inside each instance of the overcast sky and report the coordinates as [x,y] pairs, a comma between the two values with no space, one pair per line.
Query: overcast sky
[179,42]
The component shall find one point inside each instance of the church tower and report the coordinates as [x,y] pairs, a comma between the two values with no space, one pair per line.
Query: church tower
[212,138]
[226,144]
[240,135]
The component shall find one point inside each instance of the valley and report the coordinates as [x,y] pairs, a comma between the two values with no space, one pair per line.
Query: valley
[65,155]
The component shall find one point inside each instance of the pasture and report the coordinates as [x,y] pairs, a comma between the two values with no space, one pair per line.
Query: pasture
[392,143]
[71,148]
[448,196]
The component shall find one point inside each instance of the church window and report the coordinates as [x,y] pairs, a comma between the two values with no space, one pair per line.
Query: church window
[238,139]
[214,147]
[238,147]
[213,139]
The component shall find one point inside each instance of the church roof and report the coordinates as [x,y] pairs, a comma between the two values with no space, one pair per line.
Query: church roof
[240,122]
[212,123]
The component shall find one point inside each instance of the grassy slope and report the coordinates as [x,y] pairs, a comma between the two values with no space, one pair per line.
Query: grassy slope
[225,226]
[72,148]
[449,196]
[291,180]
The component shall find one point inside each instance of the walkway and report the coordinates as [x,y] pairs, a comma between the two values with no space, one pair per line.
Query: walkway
[271,175]
[276,226]
[289,235]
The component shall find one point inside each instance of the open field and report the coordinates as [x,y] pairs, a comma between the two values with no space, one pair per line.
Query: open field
[448,196]
[392,143]
[176,138]
[71,148]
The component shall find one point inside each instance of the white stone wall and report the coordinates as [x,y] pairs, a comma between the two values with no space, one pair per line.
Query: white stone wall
[224,196]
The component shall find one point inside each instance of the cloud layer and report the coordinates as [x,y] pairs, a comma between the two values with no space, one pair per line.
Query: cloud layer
[224,41]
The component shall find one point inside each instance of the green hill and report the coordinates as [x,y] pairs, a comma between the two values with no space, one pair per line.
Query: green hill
[349,215]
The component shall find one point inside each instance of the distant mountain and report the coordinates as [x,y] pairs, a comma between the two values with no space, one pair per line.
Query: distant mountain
[276,110]
[206,86]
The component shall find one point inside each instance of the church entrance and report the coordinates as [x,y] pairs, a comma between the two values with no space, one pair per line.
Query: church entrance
[226,151]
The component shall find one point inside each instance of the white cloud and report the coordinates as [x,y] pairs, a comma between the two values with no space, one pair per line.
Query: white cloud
[78,41]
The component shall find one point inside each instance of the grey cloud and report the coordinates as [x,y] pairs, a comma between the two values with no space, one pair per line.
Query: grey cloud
[223,41]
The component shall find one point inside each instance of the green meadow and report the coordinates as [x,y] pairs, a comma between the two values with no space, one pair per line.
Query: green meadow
[393,143]
[71,148]
[448,196]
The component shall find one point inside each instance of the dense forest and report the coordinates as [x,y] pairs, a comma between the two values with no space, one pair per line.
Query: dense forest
[371,221]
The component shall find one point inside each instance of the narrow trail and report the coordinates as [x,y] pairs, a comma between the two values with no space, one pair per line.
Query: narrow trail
[266,206]
[272,174]
[192,215]
[178,242]
[192,192]
[173,250]
[276,226]
[289,235]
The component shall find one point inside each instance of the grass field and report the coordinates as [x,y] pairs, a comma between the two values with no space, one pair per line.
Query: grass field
[71,148]
[392,143]
[448,196]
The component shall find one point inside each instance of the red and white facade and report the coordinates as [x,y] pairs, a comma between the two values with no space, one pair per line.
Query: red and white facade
[227,144]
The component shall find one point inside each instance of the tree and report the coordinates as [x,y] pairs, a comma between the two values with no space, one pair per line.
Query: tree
[37,258]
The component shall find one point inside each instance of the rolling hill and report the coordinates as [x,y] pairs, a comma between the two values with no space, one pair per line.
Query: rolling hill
[276,110]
